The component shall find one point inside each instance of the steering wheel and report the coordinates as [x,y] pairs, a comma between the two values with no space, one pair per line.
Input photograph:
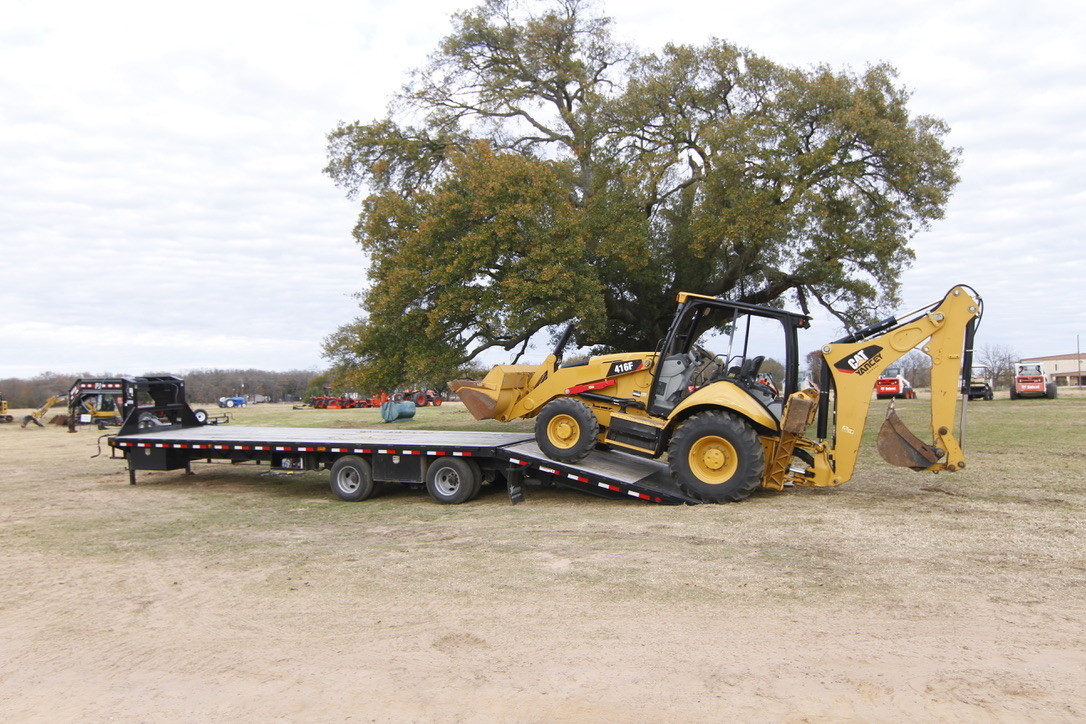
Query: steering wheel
[701,354]
[706,364]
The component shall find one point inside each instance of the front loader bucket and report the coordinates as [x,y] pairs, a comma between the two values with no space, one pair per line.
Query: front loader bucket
[899,446]
[494,396]
[481,402]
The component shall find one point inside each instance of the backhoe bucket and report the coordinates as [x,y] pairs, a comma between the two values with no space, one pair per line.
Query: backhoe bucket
[495,394]
[899,446]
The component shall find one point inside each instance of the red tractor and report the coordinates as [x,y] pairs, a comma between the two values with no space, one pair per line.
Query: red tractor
[421,398]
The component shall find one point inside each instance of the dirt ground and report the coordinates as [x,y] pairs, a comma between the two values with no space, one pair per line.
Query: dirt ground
[235,596]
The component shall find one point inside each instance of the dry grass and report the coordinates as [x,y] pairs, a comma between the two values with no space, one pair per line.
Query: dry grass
[234,595]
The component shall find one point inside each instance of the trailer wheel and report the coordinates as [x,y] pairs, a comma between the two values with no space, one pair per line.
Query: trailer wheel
[566,430]
[201,416]
[453,480]
[352,478]
[716,457]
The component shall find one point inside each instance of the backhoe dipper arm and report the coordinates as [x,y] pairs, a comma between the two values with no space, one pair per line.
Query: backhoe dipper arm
[856,361]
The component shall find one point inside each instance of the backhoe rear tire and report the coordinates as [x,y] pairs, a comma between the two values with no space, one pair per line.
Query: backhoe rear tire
[716,457]
[566,430]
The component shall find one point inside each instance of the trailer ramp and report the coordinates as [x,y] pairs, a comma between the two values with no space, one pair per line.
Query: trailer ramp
[605,473]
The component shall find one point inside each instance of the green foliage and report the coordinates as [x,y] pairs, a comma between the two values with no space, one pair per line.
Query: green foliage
[552,174]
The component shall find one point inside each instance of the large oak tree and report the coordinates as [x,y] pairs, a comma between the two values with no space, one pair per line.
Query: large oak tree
[537,171]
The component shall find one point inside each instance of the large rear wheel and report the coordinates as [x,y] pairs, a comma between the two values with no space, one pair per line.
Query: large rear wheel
[566,430]
[716,457]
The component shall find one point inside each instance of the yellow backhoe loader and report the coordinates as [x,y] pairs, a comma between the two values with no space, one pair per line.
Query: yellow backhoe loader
[4,416]
[699,397]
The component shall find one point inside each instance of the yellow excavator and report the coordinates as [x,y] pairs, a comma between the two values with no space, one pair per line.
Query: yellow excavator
[36,416]
[702,399]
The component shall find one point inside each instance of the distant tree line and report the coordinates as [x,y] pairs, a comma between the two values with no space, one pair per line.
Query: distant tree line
[201,386]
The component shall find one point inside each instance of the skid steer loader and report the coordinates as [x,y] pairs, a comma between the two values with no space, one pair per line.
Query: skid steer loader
[698,397]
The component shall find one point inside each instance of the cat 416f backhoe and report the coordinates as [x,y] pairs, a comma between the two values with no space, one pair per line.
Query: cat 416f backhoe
[700,400]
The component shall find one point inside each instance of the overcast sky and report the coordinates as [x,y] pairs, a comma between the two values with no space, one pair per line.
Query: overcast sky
[162,206]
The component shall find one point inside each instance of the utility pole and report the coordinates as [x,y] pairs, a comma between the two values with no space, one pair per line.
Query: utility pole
[1078,358]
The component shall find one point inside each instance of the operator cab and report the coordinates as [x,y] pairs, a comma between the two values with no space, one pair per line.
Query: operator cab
[712,340]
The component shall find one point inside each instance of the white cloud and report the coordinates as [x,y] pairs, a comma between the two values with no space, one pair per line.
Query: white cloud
[164,207]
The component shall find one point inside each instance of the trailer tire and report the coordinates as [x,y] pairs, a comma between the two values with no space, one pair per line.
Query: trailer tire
[453,480]
[566,430]
[201,416]
[716,457]
[352,478]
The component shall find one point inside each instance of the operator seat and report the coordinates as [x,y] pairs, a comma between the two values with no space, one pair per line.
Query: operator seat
[671,387]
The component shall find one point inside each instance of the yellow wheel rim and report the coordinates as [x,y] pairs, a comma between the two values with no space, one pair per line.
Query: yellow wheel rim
[713,460]
[563,431]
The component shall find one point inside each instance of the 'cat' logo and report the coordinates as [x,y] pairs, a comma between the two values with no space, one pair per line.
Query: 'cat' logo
[621,368]
[861,361]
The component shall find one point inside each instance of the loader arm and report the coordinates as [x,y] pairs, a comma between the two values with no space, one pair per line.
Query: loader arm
[856,362]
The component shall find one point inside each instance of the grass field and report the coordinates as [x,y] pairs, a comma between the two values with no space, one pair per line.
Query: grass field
[235,595]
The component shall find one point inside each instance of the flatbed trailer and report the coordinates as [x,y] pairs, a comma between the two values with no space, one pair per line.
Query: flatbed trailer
[452,465]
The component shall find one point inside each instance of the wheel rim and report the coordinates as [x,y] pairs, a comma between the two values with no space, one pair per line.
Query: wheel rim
[713,460]
[563,431]
[349,480]
[447,481]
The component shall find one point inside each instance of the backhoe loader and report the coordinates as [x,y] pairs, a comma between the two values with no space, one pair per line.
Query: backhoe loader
[699,399]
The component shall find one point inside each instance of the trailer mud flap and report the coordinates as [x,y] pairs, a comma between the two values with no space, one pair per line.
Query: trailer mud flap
[899,446]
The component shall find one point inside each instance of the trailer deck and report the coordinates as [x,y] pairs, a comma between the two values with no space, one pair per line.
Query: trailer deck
[398,456]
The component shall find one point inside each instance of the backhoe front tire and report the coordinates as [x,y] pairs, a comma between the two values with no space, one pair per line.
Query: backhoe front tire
[716,457]
[566,430]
